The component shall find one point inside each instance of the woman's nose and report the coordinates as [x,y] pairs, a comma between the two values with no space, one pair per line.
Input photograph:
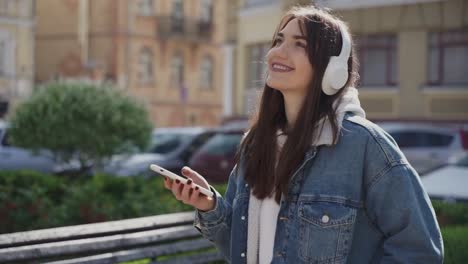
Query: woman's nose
[280,51]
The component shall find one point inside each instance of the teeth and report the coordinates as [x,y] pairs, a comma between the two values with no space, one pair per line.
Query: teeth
[280,67]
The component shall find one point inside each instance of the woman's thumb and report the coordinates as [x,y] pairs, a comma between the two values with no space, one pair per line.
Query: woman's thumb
[197,178]
[188,172]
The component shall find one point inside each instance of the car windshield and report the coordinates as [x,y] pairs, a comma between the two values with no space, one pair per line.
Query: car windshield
[165,143]
[222,144]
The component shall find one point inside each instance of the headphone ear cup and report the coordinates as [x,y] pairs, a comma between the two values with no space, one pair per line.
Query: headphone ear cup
[326,86]
[335,76]
[340,76]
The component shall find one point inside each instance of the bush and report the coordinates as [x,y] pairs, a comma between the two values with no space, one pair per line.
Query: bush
[80,121]
[30,200]
[451,213]
[117,198]
[26,198]
[455,244]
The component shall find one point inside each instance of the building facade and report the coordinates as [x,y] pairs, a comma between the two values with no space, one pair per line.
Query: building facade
[16,51]
[412,54]
[175,56]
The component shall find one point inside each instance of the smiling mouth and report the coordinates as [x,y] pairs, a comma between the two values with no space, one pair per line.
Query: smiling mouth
[276,67]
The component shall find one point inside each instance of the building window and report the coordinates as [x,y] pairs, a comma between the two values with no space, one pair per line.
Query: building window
[448,53]
[206,80]
[206,13]
[178,9]
[177,69]
[177,15]
[146,66]
[378,57]
[146,7]
[257,67]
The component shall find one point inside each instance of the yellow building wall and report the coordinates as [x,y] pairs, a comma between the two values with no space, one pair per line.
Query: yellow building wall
[162,99]
[255,26]
[117,34]
[6,81]
[56,17]
[19,25]
[411,98]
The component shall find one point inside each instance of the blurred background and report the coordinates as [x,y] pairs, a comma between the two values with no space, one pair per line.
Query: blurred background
[197,62]
[197,68]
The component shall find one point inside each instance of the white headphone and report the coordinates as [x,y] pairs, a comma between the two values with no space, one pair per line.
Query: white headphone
[336,73]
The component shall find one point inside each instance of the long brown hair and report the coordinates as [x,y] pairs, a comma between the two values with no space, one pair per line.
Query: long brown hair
[258,149]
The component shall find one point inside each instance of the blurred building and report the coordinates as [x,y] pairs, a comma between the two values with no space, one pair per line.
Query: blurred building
[413,54]
[177,56]
[16,51]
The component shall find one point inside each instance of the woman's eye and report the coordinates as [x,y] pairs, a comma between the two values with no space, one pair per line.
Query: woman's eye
[300,44]
[277,41]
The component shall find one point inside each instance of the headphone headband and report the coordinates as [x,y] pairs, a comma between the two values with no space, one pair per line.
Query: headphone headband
[346,44]
[336,73]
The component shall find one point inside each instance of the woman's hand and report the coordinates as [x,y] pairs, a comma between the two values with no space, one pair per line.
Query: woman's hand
[188,193]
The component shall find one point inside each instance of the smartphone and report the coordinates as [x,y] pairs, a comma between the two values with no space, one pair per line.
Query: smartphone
[160,170]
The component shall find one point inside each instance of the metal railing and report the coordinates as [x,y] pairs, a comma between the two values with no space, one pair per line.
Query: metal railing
[186,28]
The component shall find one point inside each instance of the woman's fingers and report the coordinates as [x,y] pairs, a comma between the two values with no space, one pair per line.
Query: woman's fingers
[176,189]
[167,183]
[189,193]
[195,197]
[186,191]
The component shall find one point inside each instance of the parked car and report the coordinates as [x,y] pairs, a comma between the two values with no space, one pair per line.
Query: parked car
[216,158]
[427,146]
[17,158]
[171,148]
[240,123]
[449,182]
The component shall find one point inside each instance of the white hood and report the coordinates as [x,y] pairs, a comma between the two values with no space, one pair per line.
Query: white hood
[349,103]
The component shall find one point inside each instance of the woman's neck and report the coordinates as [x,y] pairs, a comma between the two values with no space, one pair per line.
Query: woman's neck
[292,104]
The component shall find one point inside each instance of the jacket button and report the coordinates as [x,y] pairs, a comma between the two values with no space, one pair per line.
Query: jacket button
[243,217]
[243,255]
[246,185]
[325,219]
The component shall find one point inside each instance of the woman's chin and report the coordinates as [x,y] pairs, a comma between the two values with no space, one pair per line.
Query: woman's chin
[275,85]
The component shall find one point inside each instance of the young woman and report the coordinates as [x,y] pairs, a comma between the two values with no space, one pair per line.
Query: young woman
[315,182]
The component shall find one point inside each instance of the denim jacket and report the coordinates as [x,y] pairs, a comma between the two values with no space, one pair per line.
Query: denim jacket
[359,201]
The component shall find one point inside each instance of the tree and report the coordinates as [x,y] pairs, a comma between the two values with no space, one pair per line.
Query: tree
[80,121]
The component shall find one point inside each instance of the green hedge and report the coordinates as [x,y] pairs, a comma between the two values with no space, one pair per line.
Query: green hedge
[455,244]
[30,200]
[451,213]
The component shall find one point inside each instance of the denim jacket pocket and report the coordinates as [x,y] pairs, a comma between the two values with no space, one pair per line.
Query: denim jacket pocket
[325,230]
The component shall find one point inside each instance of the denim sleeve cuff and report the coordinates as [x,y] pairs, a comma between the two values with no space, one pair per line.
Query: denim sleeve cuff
[212,217]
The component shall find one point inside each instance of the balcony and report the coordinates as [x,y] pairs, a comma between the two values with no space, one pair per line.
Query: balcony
[192,29]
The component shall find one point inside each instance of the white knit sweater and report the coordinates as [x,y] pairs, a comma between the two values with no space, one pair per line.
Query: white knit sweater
[263,214]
